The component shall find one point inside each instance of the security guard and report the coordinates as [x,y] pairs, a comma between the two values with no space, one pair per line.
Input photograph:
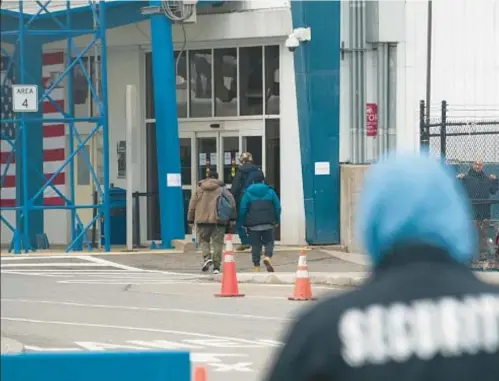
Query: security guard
[422,315]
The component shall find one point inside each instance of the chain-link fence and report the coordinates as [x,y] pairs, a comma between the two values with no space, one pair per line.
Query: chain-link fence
[468,140]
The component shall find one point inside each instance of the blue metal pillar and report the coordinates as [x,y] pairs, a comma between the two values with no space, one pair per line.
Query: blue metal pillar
[29,160]
[70,109]
[317,73]
[167,138]
[105,125]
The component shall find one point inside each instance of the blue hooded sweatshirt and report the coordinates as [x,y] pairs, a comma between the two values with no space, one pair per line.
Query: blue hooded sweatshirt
[259,206]
[413,199]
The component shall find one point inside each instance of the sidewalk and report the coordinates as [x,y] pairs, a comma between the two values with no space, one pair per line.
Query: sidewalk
[326,266]
[121,250]
[284,261]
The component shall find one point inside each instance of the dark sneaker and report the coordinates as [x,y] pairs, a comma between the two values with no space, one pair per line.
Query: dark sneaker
[243,247]
[216,271]
[268,264]
[206,265]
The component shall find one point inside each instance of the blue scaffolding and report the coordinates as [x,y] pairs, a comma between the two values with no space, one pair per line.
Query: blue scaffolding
[26,27]
[26,30]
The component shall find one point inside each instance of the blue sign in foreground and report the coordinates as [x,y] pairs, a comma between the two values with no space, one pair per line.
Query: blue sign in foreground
[90,366]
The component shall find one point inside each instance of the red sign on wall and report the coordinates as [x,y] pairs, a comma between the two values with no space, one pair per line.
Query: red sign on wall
[371,119]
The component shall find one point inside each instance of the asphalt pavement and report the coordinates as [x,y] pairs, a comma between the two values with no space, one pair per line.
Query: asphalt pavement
[91,304]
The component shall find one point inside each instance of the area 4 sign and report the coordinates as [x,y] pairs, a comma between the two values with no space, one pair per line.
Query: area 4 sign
[25,98]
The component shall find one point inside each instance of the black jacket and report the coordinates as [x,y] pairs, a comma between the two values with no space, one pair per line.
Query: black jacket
[259,206]
[243,179]
[421,317]
[479,188]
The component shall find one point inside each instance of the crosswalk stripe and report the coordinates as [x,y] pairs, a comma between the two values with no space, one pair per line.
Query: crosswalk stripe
[91,271]
[111,264]
[57,264]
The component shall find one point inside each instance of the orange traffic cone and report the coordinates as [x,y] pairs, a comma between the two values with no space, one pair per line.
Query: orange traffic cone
[303,288]
[199,373]
[229,277]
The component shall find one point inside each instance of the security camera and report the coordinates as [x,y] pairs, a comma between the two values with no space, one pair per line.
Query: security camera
[298,35]
[292,43]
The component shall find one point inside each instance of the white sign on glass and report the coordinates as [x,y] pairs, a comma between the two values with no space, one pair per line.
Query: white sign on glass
[227,158]
[202,159]
[213,158]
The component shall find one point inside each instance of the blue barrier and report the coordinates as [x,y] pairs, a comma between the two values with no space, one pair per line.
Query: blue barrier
[96,366]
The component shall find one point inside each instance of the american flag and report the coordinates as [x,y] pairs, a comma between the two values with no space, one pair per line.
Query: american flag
[7,130]
[54,138]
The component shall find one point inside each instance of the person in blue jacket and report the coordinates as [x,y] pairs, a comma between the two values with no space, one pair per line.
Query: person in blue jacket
[260,213]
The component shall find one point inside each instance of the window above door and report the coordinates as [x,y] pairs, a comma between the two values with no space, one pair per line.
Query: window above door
[222,83]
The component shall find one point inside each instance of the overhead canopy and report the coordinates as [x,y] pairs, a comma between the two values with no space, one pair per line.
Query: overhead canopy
[50,15]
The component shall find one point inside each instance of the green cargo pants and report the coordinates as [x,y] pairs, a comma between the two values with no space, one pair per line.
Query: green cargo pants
[213,234]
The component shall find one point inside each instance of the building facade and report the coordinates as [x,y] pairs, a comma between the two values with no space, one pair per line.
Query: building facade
[239,88]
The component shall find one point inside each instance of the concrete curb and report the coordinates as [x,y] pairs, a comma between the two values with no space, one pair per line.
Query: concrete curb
[9,346]
[326,279]
[340,279]
[55,253]
[358,259]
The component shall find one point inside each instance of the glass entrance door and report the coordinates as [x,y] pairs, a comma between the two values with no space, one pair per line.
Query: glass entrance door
[229,157]
[207,154]
[201,153]
[217,152]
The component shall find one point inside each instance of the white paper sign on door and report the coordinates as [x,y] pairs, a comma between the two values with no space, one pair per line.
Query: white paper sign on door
[213,158]
[227,158]
[202,159]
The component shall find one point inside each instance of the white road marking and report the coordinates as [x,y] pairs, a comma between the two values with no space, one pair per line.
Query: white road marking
[42,258]
[24,273]
[221,343]
[213,357]
[214,360]
[272,342]
[246,342]
[160,344]
[281,298]
[5,259]
[59,264]
[95,272]
[237,367]
[103,262]
[96,346]
[126,282]
[164,344]
[39,349]
[152,309]
[48,261]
